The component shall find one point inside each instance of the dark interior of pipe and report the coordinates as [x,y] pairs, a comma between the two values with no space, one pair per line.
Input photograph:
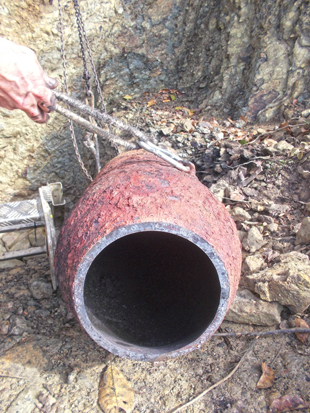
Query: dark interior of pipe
[152,289]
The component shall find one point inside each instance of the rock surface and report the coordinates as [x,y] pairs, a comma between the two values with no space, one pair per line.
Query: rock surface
[247,308]
[287,282]
[303,235]
[237,58]
[239,214]
[253,241]
[41,289]
[253,263]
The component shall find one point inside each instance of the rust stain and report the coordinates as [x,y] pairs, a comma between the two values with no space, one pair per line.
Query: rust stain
[138,187]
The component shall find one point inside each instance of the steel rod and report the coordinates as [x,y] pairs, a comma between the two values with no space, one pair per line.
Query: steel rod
[95,113]
[22,253]
[11,228]
[92,128]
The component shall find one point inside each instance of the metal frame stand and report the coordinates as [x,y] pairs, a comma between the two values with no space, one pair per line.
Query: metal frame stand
[34,213]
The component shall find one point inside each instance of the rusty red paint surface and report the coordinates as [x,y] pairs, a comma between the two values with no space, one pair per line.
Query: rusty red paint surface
[138,187]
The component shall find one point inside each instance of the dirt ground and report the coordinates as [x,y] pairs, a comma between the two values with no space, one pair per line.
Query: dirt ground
[49,364]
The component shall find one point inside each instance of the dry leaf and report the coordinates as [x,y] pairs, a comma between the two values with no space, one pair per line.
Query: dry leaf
[299,323]
[115,392]
[190,112]
[172,97]
[188,126]
[287,404]
[151,103]
[127,97]
[267,378]
[178,108]
[244,118]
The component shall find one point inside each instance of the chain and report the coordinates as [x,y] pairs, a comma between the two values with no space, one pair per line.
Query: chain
[143,142]
[82,33]
[80,26]
[75,146]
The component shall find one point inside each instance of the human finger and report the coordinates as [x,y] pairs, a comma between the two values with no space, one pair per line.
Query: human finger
[34,112]
[48,105]
[42,117]
[50,82]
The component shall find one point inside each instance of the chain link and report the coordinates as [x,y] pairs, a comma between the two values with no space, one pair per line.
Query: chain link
[73,137]
[80,27]
[82,33]
[144,143]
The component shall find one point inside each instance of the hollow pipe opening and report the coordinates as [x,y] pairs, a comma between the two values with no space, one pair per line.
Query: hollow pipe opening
[151,292]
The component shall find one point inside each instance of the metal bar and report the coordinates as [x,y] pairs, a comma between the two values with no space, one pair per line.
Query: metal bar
[93,128]
[11,228]
[50,234]
[163,154]
[22,253]
[95,113]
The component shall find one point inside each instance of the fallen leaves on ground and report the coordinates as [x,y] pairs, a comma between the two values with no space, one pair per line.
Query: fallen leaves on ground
[287,404]
[300,323]
[127,97]
[151,103]
[188,125]
[115,392]
[267,378]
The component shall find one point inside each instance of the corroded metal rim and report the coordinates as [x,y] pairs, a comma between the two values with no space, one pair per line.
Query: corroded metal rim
[114,345]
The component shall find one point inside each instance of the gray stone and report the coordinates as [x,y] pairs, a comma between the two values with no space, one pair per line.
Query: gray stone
[253,263]
[265,218]
[4,327]
[21,244]
[18,325]
[287,282]
[306,174]
[248,309]
[242,234]
[218,169]
[239,214]
[284,147]
[37,237]
[303,235]
[11,263]
[257,206]
[2,248]
[278,209]
[218,189]
[84,380]
[234,193]
[17,240]
[253,241]
[273,227]
[41,289]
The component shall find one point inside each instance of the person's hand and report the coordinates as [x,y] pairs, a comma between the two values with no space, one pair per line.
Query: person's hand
[23,83]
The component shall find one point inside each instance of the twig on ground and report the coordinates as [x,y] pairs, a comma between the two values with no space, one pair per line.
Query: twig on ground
[251,161]
[195,399]
[276,130]
[276,356]
[264,333]
[13,377]
[246,181]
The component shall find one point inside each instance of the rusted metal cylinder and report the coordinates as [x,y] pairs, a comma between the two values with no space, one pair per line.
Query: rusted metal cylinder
[148,260]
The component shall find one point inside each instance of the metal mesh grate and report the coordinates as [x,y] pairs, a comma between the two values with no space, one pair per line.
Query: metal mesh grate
[20,212]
